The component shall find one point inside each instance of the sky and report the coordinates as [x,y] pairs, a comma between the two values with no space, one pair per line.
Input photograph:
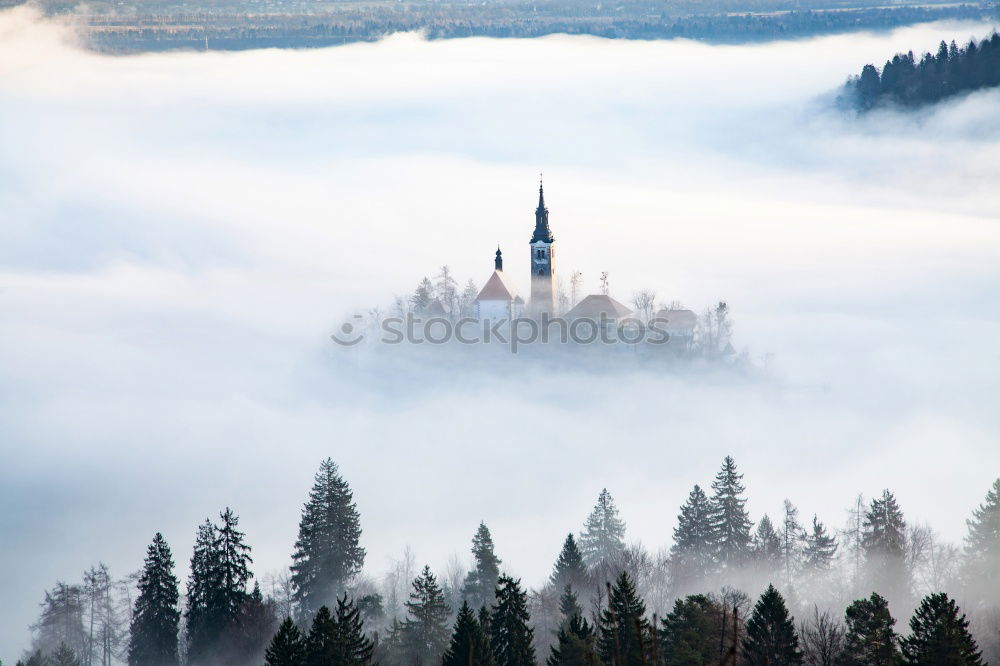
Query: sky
[180,233]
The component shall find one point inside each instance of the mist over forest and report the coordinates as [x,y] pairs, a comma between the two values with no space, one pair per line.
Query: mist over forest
[181,233]
[605,601]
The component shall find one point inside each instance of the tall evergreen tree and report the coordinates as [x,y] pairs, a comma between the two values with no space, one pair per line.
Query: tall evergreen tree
[232,564]
[287,648]
[981,569]
[939,636]
[327,552]
[511,635]
[729,520]
[569,568]
[217,590]
[869,638]
[820,549]
[469,645]
[425,632]
[569,604]
[342,641]
[321,643]
[624,634]
[692,554]
[200,583]
[884,543]
[766,547]
[818,561]
[574,645]
[155,620]
[604,532]
[690,634]
[481,581]
[771,639]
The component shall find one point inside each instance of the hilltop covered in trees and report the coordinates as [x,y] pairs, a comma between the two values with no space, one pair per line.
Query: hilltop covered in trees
[903,81]
[729,590]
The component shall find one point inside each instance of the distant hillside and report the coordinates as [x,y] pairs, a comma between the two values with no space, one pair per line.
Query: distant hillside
[127,26]
[905,82]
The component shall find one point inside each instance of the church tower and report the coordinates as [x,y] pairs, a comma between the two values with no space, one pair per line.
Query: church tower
[543,274]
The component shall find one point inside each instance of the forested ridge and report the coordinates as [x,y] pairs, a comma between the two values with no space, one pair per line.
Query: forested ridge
[904,81]
[728,590]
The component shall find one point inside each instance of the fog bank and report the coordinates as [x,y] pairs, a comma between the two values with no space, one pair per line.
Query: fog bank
[180,233]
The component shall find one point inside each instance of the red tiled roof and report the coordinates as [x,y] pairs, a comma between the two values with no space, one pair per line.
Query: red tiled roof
[593,306]
[496,289]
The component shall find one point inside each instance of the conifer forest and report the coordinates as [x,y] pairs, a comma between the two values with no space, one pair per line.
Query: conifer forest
[729,589]
[907,82]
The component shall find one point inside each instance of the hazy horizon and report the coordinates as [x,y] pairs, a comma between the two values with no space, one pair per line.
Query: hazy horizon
[182,232]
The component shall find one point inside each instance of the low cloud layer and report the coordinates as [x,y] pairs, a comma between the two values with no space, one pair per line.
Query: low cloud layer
[180,232]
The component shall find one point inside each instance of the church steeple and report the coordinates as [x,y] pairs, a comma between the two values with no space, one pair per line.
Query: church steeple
[499,259]
[542,231]
[543,283]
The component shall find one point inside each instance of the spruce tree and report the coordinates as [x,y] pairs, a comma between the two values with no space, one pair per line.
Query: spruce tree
[200,583]
[511,635]
[884,544]
[425,632]
[574,645]
[217,588]
[232,564]
[603,533]
[692,554]
[569,604]
[690,634]
[155,620]
[287,648]
[981,569]
[939,636]
[484,620]
[624,633]
[766,547]
[354,648]
[327,554]
[820,549]
[469,645]
[771,639]
[569,568]
[729,521]
[423,296]
[481,581]
[320,644]
[869,637]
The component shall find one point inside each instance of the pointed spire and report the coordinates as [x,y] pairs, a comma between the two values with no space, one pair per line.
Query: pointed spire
[499,259]
[542,231]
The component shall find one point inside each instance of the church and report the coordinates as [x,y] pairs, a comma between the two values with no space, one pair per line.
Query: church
[499,300]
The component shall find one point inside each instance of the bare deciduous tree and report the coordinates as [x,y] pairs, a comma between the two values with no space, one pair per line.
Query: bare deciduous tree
[822,639]
[644,302]
[575,280]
